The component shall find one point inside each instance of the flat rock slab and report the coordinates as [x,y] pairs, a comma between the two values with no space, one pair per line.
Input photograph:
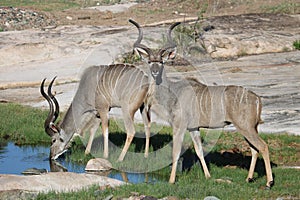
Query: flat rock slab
[114,8]
[53,181]
[26,57]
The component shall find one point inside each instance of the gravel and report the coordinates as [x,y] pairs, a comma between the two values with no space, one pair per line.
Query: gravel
[19,19]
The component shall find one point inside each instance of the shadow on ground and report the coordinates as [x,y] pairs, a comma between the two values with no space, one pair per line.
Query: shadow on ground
[227,158]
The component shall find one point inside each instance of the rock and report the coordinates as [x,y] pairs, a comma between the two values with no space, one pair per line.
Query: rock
[219,180]
[17,186]
[34,171]
[98,164]
[26,56]
[142,197]
[116,8]
[211,198]
[17,194]
[227,40]
[170,198]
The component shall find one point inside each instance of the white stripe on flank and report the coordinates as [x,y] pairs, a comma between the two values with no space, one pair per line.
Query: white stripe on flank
[222,104]
[201,110]
[126,86]
[241,100]
[98,85]
[121,72]
[236,95]
[257,107]
[112,77]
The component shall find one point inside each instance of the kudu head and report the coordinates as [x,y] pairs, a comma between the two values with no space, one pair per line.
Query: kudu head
[58,140]
[157,59]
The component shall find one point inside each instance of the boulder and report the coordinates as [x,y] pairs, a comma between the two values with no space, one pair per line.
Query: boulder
[34,171]
[98,165]
[17,186]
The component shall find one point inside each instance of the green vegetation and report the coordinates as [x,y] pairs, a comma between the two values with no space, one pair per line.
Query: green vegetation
[44,5]
[225,183]
[23,125]
[129,58]
[190,39]
[55,5]
[202,11]
[296,44]
[228,161]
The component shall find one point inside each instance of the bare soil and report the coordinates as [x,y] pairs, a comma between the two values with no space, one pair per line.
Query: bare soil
[151,11]
[160,10]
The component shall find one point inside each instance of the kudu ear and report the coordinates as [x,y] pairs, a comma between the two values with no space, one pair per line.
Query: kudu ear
[53,128]
[142,53]
[169,54]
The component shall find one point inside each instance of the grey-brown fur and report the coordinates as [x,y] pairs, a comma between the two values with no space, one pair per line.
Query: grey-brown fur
[189,105]
[100,89]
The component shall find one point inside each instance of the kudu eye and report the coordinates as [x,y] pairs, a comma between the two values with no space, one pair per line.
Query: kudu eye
[53,140]
[61,140]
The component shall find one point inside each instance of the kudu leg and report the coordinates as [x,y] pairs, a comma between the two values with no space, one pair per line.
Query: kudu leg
[252,165]
[259,145]
[147,124]
[178,136]
[104,124]
[195,135]
[130,131]
[93,130]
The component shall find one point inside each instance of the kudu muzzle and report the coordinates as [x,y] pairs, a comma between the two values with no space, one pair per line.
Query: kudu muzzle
[156,69]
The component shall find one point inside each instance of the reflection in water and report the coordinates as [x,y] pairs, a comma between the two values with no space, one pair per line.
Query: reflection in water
[57,167]
[16,159]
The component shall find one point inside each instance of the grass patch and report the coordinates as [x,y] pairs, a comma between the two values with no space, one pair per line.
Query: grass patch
[228,161]
[296,44]
[56,5]
[44,5]
[22,124]
[193,185]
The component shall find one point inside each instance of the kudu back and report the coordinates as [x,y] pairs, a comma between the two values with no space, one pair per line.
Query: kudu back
[190,105]
[100,89]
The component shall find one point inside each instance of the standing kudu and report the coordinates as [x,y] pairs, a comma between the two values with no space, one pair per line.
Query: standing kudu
[100,89]
[190,105]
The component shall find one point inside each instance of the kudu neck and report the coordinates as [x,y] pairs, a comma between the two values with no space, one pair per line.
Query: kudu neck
[68,122]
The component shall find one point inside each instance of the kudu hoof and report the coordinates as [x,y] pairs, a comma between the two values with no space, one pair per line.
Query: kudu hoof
[251,180]
[270,184]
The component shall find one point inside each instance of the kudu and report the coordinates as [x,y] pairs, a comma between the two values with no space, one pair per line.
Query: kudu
[190,105]
[100,89]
